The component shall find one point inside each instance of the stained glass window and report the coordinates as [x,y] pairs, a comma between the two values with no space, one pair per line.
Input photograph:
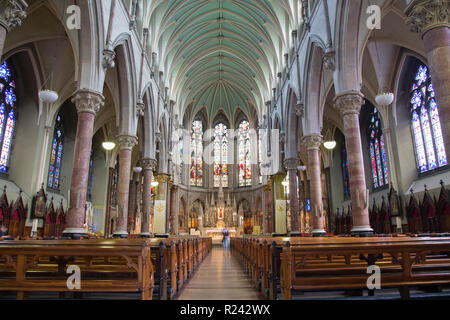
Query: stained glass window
[377,152]
[196,175]
[220,155]
[260,156]
[54,169]
[425,123]
[7,114]
[245,170]
[345,174]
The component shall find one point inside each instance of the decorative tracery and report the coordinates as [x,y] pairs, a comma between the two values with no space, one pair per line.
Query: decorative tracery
[425,122]
[196,154]
[54,170]
[220,155]
[7,114]
[377,150]
[245,171]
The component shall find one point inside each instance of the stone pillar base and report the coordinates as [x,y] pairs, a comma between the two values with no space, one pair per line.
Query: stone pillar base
[74,233]
[362,232]
[144,235]
[120,234]
[318,233]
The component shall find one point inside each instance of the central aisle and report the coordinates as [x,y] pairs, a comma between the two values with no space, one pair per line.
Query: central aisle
[220,277]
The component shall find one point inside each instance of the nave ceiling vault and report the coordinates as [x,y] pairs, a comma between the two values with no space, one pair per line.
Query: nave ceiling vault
[222,55]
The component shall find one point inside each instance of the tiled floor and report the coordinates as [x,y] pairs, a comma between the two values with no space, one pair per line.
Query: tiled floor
[219,277]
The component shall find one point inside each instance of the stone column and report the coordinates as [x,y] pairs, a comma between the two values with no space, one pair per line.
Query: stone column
[148,165]
[161,194]
[173,219]
[87,104]
[12,12]
[132,203]
[312,144]
[268,207]
[349,105]
[126,145]
[291,167]
[431,19]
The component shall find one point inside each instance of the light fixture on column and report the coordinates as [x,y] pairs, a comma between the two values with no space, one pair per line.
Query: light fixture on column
[155,183]
[330,145]
[384,98]
[48,96]
[137,169]
[108,145]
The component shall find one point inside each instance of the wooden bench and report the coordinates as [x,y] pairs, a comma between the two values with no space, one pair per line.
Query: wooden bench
[173,261]
[419,262]
[261,257]
[106,266]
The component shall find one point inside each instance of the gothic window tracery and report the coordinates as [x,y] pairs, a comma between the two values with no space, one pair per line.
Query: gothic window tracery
[425,123]
[7,114]
[54,170]
[220,155]
[377,150]
[245,170]
[196,172]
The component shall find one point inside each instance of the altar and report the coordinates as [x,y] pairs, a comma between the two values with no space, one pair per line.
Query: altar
[217,235]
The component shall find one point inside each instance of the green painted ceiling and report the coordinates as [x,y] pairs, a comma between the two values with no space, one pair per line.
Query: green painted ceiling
[221,54]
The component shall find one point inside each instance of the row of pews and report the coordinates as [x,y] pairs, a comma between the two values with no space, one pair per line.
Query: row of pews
[155,268]
[287,268]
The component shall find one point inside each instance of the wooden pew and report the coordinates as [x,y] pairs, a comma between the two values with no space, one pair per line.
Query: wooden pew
[403,264]
[106,266]
[261,257]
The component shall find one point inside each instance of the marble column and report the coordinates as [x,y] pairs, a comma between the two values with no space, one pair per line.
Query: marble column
[162,194]
[126,145]
[268,197]
[431,19]
[87,104]
[312,144]
[12,12]
[291,167]
[173,213]
[132,203]
[148,166]
[349,105]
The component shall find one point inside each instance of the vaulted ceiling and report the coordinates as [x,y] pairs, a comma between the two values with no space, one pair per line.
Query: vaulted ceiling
[221,54]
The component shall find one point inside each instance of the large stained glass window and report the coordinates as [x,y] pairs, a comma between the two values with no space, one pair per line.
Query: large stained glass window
[54,169]
[345,172]
[7,114]
[245,170]
[196,175]
[377,150]
[220,155]
[425,122]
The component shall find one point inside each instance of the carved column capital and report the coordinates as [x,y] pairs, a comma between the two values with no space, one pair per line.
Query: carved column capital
[329,59]
[108,59]
[127,142]
[312,142]
[349,102]
[424,15]
[299,109]
[149,164]
[140,107]
[162,177]
[88,101]
[291,163]
[12,13]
